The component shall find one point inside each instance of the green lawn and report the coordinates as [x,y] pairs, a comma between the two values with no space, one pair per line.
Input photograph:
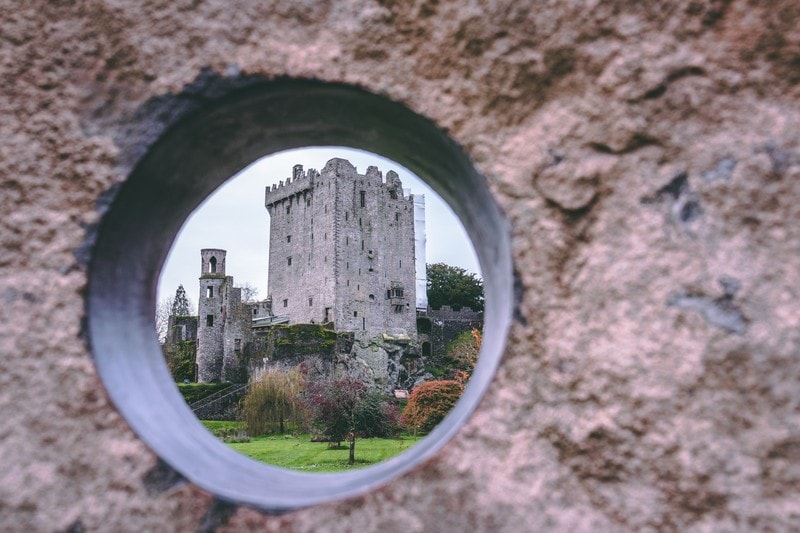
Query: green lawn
[297,452]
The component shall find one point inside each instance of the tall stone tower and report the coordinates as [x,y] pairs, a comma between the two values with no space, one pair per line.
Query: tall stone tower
[210,320]
[342,250]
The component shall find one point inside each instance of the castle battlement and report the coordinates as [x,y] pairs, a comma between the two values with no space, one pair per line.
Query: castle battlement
[299,183]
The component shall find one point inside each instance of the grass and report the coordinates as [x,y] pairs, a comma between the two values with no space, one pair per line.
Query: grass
[297,452]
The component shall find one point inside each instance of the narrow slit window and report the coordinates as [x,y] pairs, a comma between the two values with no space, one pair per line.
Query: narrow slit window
[209,320]
[363,199]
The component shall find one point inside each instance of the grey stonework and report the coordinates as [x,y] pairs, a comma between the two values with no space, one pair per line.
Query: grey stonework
[223,322]
[447,324]
[342,252]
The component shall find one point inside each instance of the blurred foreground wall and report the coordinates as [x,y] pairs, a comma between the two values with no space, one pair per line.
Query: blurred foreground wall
[647,155]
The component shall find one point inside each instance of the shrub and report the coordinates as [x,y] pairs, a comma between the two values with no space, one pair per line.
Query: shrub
[429,403]
[272,398]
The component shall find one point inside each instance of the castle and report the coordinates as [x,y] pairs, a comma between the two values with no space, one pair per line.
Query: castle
[342,252]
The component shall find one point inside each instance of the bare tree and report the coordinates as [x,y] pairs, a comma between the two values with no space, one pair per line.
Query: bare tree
[163,310]
[249,293]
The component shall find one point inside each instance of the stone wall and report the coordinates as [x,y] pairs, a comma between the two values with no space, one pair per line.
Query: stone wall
[642,151]
[338,240]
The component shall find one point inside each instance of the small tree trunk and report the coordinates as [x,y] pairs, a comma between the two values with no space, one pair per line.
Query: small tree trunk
[352,450]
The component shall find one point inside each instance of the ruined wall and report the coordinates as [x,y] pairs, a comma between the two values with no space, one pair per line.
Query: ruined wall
[211,303]
[447,324]
[643,152]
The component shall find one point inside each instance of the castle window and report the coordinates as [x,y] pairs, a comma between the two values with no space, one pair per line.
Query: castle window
[362,244]
[212,265]
[401,263]
[347,240]
[348,282]
[363,323]
[308,202]
[288,209]
[237,345]
[371,269]
[359,222]
[393,194]
[397,217]
[288,238]
[255,312]
[209,292]
[371,297]
[345,216]
[355,313]
[326,208]
[209,320]
[289,260]
[363,199]
[286,303]
[347,266]
[325,237]
[310,301]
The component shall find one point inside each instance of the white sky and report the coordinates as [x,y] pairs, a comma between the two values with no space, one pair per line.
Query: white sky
[234,219]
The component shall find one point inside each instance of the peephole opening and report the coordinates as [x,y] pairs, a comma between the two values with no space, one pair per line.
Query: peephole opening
[322,311]
[192,158]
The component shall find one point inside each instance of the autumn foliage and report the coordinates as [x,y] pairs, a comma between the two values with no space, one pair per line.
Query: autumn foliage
[429,403]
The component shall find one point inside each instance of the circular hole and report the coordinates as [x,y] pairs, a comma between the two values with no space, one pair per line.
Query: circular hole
[178,172]
[257,342]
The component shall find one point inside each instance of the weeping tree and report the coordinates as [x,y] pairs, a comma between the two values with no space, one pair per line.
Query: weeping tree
[272,399]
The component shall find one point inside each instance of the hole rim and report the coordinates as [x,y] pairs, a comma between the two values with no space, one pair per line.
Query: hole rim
[184,166]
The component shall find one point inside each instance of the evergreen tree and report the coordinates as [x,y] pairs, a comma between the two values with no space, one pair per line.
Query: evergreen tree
[180,304]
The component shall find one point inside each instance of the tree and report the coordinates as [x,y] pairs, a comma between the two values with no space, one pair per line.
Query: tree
[272,398]
[249,293]
[163,310]
[180,304]
[453,286]
[345,408]
[429,403]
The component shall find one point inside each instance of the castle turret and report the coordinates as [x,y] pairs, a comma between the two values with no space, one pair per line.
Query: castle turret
[211,316]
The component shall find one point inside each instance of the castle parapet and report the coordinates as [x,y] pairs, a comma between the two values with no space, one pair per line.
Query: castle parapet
[299,183]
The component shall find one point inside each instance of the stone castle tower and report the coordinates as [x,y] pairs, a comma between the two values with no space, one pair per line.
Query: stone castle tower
[342,250]
[223,322]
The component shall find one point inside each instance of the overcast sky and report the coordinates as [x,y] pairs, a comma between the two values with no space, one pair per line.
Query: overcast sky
[234,219]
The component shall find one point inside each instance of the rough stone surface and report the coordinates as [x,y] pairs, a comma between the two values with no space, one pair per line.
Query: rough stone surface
[622,402]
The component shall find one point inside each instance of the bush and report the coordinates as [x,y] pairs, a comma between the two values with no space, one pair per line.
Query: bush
[429,403]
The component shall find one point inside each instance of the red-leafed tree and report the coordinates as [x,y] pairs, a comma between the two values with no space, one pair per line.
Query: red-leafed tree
[429,403]
[345,408]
